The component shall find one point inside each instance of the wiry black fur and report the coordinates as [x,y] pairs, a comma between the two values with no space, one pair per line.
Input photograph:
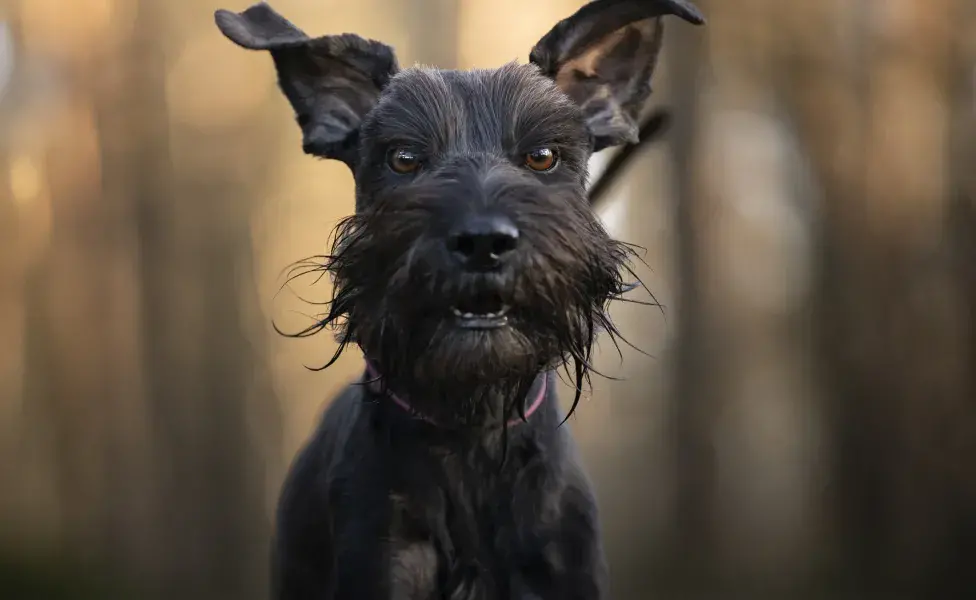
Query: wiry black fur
[381,504]
[394,282]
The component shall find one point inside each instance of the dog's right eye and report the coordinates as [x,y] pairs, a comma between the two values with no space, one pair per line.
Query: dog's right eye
[541,159]
[402,161]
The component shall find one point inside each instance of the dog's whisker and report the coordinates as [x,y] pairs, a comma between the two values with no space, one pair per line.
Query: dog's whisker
[611,331]
[340,348]
[642,285]
[580,374]
[294,275]
[615,335]
[313,261]
[307,332]
[633,301]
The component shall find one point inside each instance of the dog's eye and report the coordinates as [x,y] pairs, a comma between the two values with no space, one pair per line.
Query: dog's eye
[403,161]
[541,159]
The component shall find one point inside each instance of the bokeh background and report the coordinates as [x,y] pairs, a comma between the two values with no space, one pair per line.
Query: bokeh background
[805,424]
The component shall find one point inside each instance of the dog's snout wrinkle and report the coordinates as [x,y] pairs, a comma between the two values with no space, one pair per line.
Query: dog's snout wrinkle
[481,242]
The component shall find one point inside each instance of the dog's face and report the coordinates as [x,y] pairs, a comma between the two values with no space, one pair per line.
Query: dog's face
[473,256]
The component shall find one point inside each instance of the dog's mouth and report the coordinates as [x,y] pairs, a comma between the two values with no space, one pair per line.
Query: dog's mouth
[482,311]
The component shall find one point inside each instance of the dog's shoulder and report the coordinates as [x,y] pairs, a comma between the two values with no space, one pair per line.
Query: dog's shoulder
[342,413]
[325,447]
[337,425]
[305,526]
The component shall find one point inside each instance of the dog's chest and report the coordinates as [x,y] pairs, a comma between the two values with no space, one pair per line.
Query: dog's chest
[456,532]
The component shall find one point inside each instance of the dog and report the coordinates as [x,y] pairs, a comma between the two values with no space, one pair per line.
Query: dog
[471,270]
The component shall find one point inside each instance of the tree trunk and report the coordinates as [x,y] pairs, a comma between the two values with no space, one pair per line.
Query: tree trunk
[690,542]
[893,315]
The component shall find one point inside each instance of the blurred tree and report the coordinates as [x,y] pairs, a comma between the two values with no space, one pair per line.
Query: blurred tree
[205,379]
[141,348]
[871,88]
[689,561]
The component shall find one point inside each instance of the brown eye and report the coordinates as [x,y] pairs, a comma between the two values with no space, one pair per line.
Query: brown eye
[541,159]
[403,161]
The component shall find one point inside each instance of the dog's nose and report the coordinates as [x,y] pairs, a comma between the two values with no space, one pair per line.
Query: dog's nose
[482,240]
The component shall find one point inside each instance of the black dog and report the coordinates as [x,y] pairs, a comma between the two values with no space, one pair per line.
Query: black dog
[472,268]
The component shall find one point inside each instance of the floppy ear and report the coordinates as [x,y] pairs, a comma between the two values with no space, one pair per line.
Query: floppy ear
[330,81]
[603,58]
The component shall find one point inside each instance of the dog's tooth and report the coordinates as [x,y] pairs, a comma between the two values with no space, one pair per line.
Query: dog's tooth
[456,311]
[468,315]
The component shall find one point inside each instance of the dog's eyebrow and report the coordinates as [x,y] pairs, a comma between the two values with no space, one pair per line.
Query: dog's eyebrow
[536,123]
[419,110]
[533,111]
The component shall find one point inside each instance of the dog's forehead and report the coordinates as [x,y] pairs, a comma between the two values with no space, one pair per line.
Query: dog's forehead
[511,82]
[480,100]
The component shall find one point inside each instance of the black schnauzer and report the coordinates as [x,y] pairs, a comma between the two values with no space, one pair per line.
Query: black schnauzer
[472,268]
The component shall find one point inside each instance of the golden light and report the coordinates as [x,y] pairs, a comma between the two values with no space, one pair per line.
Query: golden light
[491,37]
[202,96]
[75,29]
[25,180]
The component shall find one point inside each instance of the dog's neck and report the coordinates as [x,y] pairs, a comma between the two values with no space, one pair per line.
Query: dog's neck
[493,409]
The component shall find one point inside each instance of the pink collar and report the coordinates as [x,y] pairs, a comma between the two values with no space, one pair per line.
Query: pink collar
[536,403]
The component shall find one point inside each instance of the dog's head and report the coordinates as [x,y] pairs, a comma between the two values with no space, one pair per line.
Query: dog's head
[473,259]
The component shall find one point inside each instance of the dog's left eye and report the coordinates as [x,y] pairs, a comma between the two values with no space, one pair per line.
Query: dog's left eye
[403,161]
[541,159]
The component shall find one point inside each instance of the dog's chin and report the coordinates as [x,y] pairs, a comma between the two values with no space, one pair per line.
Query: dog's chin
[480,349]
[457,348]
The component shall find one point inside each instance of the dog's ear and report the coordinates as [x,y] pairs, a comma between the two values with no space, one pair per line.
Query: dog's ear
[603,57]
[330,81]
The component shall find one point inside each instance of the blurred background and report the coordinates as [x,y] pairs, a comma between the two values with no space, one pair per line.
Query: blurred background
[805,426]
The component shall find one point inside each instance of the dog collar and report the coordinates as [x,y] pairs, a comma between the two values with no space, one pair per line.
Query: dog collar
[373,374]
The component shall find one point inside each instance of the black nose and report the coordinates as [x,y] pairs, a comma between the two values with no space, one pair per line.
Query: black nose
[482,240]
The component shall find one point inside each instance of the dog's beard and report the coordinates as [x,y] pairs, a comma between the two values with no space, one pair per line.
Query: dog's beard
[393,296]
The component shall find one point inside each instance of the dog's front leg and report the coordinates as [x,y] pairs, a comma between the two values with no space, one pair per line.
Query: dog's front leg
[521,589]
[577,559]
[365,567]
[562,551]
[331,547]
